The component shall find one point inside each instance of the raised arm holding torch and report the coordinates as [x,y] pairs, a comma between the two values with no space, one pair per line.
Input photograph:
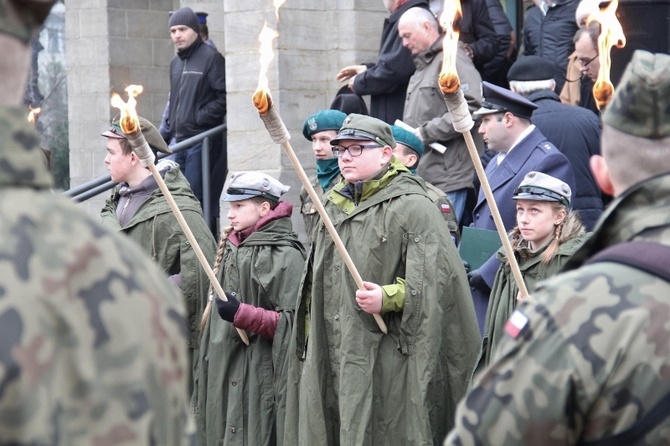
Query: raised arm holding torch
[130,126]
[280,135]
[449,83]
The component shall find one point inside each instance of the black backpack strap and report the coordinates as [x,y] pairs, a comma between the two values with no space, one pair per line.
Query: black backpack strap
[653,258]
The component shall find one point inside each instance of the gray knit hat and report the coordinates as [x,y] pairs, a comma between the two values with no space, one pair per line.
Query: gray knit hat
[184,16]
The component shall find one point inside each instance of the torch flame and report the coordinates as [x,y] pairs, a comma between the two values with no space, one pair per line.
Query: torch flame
[611,34]
[261,97]
[129,121]
[32,114]
[449,20]
[277,4]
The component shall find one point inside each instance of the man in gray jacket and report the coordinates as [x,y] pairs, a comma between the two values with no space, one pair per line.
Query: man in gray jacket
[451,171]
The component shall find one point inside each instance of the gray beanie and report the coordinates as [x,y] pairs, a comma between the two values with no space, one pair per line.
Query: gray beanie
[185,16]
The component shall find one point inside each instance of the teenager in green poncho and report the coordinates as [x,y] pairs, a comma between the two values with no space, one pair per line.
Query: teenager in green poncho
[548,232]
[239,390]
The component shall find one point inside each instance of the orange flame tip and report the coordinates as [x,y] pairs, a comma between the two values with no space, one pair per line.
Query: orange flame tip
[262,101]
[129,121]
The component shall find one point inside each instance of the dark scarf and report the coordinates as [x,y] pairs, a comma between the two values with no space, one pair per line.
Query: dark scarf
[326,172]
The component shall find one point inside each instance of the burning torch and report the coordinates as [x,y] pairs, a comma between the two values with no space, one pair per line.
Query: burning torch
[450,85]
[275,126]
[130,125]
[611,34]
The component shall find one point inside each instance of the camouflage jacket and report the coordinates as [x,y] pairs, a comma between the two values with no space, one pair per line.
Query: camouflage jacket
[93,349]
[587,356]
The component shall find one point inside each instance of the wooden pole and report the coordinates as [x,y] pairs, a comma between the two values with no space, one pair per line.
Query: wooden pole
[280,135]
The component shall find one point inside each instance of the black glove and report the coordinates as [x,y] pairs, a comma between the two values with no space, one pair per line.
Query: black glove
[466,265]
[477,282]
[228,310]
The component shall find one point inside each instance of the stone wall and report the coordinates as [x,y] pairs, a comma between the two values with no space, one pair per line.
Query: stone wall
[111,43]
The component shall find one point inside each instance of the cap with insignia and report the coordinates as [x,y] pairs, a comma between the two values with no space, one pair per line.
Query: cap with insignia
[542,187]
[153,137]
[245,185]
[365,128]
[500,100]
[639,106]
[322,121]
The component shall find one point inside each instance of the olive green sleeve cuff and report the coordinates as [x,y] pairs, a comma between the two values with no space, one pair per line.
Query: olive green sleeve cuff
[393,296]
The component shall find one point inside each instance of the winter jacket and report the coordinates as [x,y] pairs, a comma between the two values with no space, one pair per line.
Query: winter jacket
[425,108]
[504,292]
[359,386]
[550,36]
[386,80]
[239,390]
[156,230]
[197,91]
[575,131]
[477,30]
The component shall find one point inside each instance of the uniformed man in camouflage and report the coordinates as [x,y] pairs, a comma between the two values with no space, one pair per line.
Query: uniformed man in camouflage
[92,336]
[586,360]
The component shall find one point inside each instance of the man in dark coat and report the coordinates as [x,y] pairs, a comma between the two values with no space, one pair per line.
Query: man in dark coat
[548,32]
[386,81]
[574,130]
[521,148]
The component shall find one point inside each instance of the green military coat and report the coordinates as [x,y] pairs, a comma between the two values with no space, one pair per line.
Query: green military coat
[239,390]
[504,292]
[359,386]
[155,228]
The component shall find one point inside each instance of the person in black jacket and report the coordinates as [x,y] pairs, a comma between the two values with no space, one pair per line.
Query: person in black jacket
[548,33]
[386,81]
[197,102]
[574,130]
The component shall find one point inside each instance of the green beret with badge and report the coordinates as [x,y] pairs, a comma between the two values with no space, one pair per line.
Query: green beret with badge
[322,121]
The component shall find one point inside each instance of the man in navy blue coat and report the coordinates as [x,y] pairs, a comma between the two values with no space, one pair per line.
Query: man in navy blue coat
[521,148]
[574,130]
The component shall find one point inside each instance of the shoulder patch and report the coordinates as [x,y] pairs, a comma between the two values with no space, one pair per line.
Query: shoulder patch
[516,324]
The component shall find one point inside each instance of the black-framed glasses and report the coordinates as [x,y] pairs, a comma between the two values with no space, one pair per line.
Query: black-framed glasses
[354,149]
[585,63]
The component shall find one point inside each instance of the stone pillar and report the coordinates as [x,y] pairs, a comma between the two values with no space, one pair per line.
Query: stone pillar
[315,40]
[109,45]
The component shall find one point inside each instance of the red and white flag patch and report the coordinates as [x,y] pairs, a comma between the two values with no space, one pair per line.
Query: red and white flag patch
[516,323]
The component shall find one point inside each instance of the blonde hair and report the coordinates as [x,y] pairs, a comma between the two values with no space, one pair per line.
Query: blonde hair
[217,264]
[570,227]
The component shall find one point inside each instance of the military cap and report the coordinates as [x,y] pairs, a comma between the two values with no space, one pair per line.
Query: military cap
[22,19]
[322,121]
[186,17]
[531,68]
[153,137]
[408,138]
[639,106]
[542,187]
[365,128]
[245,185]
[202,17]
[499,100]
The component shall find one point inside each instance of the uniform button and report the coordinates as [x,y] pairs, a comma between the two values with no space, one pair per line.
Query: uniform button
[237,339]
[234,383]
[417,239]
[233,430]
[337,317]
[414,293]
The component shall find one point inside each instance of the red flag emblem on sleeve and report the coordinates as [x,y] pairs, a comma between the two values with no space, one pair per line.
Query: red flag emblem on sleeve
[516,323]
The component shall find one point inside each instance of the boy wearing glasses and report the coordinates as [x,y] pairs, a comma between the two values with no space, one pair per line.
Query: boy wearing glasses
[358,385]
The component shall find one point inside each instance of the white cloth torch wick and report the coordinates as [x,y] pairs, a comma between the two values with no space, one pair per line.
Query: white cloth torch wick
[458,109]
[141,148]
[275,125]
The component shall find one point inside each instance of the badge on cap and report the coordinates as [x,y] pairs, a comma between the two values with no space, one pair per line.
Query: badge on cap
[311,122]
[516,324]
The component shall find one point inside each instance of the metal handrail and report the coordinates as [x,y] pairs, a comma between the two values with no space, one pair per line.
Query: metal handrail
[103,183]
